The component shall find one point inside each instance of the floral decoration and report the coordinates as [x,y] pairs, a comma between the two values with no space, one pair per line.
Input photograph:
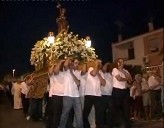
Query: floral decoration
[65,45]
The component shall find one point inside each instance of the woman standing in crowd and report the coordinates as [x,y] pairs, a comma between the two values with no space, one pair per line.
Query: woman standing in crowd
[137,95]
[120,92]
[146,96]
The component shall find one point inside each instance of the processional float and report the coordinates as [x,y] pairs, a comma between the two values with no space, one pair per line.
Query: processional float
[51,49]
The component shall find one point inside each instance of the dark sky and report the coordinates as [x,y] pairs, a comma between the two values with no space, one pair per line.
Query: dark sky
[23,23]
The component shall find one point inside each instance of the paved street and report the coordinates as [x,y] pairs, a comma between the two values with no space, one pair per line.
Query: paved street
[10,118]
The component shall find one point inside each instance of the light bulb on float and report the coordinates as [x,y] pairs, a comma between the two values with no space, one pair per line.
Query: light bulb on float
[88,42]
[51,37]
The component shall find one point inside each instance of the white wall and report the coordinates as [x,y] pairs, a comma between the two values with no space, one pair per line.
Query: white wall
[138,44]
[138,52]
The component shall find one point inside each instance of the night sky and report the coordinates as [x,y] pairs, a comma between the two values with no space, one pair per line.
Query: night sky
[23,22]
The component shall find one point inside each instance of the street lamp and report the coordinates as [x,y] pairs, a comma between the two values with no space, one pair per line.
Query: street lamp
[13,72]
[51,37]
[88,42]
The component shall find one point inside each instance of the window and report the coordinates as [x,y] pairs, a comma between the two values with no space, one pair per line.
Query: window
[154,45]
[131,54]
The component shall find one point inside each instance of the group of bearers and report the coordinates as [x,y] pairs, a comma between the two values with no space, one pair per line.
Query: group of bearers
[103,87]
[92,96]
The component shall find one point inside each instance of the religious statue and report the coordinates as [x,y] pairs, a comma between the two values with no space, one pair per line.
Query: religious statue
[61,21]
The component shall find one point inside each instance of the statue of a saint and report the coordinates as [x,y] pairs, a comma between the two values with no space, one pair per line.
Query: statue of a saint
[61,21]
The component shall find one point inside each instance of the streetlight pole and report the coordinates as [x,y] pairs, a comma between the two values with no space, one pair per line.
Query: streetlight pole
[13,72]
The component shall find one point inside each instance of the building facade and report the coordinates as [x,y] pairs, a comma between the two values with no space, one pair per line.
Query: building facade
[145,50]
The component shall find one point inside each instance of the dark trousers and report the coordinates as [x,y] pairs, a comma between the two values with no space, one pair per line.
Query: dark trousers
[48,108]
[25,103]
[107,110]
[36,109]
[10,97]
[55,104]
[1,95]
[89,101]
[156,105]
[121,102]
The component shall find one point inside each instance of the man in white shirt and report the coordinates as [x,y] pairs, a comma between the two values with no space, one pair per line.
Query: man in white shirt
[56,93]
[83,78]
[94,82]
[71,93]
[106,91]
[120,93]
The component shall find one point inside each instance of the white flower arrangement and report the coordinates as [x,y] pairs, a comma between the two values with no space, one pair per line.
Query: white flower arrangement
[66,45]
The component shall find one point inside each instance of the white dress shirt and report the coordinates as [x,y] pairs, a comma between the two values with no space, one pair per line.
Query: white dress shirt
[116,83]
[93,84]
[107,89]
[56,84]
[70,87]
